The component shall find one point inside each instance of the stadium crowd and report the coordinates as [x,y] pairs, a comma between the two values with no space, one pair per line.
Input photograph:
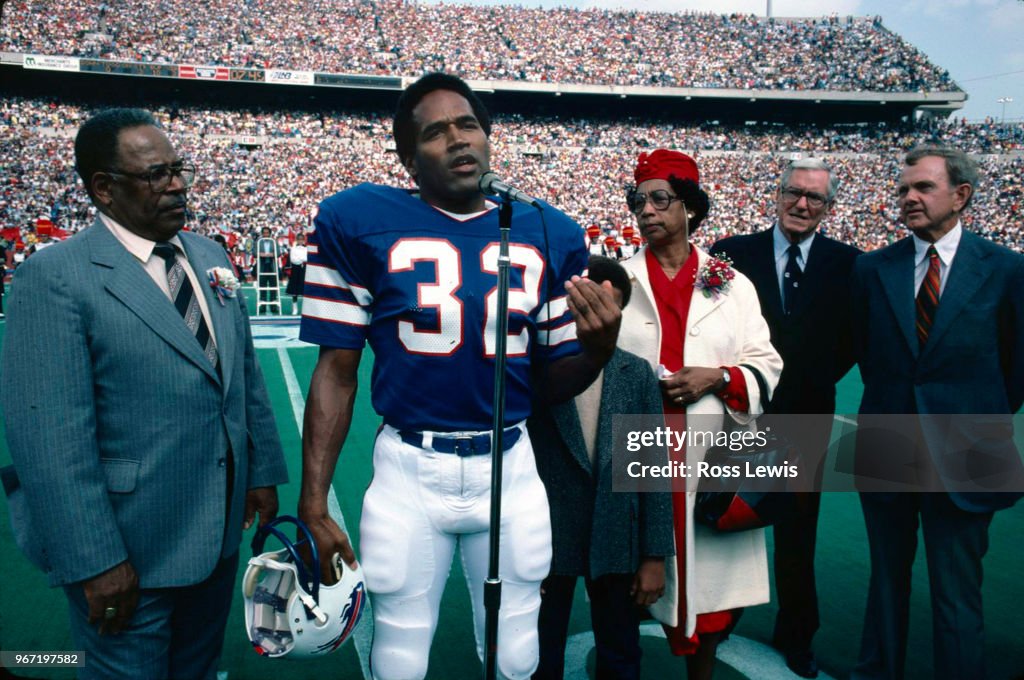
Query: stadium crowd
[294,159]
[501,42]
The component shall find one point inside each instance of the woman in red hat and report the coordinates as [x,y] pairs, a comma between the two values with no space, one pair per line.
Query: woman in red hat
[698,322]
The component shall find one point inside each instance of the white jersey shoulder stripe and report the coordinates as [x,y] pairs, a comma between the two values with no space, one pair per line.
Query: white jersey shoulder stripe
[558,335]
[332,310]
[323,275]
[553,309]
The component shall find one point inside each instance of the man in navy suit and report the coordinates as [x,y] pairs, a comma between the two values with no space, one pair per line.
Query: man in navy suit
[136,415]
[802,279]
[938,329]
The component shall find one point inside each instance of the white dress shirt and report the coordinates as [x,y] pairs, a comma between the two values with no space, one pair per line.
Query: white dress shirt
[156,267]
[945,247]
[782,245]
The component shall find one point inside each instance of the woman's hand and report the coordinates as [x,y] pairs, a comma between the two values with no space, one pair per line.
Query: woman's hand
[690,383]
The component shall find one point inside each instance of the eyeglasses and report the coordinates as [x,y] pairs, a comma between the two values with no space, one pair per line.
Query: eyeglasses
[791,195]
[159,177]
[660,199]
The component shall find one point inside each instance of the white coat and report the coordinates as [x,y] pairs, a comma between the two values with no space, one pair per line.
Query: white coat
[725,571]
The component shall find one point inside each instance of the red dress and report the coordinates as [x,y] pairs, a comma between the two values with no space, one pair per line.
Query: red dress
[673,302]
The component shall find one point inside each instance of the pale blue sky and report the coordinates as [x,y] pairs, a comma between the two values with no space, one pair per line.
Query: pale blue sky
[976,40]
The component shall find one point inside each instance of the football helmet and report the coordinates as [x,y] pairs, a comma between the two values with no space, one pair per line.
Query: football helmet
[288,612]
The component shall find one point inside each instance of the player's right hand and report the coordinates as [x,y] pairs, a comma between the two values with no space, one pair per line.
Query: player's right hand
[330,540]
[597,317]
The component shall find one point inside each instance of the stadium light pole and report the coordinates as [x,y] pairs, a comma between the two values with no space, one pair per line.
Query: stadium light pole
[1004,101]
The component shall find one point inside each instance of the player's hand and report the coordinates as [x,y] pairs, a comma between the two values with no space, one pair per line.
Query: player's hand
[263,500]
[690,383]
[649,581]
[330,540]
[112,597]
[597,317]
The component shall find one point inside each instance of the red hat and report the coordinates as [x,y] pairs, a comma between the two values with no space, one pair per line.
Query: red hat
[663,163]
[593,230]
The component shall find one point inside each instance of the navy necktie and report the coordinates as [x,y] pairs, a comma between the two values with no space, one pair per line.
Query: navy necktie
[185,300]
[791,280]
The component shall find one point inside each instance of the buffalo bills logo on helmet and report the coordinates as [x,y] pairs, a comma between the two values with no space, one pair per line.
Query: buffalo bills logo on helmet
[288,612]
[350,616]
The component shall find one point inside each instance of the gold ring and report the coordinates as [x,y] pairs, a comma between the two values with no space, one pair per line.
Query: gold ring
[109,613]
[679,400]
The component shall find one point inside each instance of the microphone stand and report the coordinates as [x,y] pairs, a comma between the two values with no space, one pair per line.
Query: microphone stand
[492,586]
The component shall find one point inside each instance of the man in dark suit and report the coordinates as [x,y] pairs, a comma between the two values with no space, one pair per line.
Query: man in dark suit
[136,415]
[802,278]
[938,329]
[617,541]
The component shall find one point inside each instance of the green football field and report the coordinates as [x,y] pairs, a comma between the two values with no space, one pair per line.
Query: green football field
[33,616]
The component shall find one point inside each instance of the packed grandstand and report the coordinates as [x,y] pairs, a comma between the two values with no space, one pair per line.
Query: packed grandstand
[497,42]
[577,165]
[269,167]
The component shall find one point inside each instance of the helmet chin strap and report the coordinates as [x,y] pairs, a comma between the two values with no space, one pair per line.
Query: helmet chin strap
[312,606]
[308,600]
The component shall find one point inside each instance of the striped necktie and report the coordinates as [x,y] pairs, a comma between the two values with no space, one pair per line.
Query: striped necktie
[185,300]
[928,297]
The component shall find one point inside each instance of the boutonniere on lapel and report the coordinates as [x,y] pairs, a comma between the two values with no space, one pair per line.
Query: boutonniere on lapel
[715,277]
[223,282]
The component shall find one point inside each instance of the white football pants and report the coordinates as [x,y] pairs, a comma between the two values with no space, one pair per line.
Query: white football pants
[422,503]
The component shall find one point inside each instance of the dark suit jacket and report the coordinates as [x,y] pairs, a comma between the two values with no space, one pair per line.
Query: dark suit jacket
[973,362]
[814,340]
[119,426]
[596,531]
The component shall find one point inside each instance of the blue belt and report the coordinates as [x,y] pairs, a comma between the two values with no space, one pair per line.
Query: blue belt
[470,445]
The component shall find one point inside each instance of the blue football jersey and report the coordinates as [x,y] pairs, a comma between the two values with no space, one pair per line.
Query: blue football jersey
[421,287]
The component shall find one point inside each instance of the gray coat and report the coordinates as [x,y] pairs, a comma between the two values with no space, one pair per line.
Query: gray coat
[594,530]
[118,425]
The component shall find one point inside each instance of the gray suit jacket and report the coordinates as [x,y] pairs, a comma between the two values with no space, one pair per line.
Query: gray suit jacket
[119,427]
[972,363]
[596,531]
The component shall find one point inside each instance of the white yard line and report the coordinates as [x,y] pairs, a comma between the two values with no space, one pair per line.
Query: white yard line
[363,635]
[752,659]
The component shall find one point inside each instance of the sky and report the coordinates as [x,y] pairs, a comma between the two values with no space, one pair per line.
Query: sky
[980,42]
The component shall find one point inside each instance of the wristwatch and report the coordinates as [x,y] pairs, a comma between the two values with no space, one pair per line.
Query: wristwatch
[727,377]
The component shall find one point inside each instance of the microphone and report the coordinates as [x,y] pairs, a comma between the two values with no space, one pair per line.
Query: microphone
[493,186]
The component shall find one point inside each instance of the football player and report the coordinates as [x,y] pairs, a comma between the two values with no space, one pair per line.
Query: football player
[414,273]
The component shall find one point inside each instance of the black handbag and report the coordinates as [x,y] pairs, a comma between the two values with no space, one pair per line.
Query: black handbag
[740,509]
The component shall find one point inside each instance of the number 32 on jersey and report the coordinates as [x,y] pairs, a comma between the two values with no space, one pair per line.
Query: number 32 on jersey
[446,336]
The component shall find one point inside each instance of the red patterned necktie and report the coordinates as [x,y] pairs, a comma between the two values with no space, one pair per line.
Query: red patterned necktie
[185,300]
[928,297]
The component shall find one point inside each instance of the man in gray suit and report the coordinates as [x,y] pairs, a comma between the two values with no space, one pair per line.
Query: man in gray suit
[938,329]
[617,541]
[136,415]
